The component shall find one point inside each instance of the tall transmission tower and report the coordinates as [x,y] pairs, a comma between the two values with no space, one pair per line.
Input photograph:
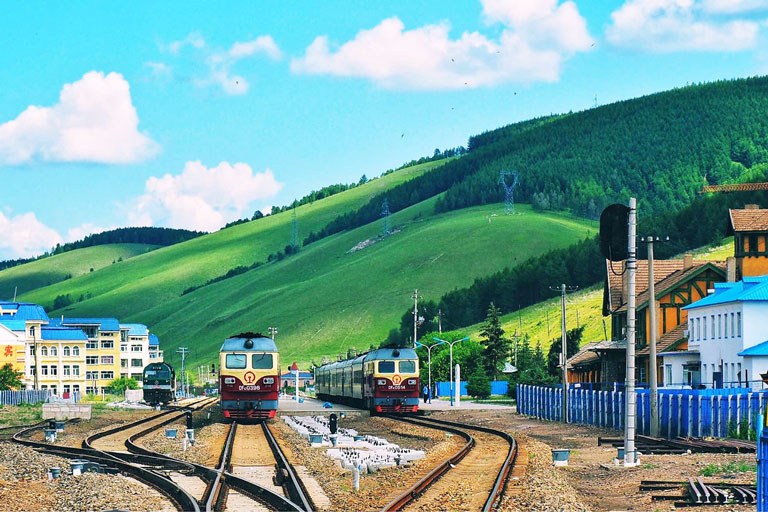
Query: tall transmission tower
[509,190]
[385,213]
[294,230]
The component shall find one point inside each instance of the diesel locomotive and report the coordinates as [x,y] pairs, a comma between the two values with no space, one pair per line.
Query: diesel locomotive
[159,381]
[249,376]
[384,380]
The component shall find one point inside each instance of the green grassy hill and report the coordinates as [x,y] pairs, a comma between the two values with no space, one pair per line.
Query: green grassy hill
[163,274]
[325,299]
[53,269]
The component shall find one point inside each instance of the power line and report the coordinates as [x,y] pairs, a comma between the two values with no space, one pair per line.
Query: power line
[509,199]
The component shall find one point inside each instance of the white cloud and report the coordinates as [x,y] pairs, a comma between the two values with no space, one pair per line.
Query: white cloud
[202,198]
[538,36]
[159,69]
[23,236]
[220,63]
[194,39]
[683,25]
[94,121]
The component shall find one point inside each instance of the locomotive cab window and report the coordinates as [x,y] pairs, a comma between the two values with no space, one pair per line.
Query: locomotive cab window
[236,361]
[261,361]
[407,367]
[386,367]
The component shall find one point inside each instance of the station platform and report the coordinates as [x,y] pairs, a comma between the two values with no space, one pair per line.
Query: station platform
[445,405]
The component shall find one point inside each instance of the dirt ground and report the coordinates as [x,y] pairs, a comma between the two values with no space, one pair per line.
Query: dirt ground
[600,485]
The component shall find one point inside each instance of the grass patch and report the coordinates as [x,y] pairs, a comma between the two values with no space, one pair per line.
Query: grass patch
[21,414]
[729,468]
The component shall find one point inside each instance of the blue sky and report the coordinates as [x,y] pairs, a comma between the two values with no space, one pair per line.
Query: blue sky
[192,114]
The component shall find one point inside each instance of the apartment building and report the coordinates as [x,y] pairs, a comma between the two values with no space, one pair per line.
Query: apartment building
[102,350]
[134,350]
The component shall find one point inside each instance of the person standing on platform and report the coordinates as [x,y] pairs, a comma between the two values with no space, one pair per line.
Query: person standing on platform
[425,392]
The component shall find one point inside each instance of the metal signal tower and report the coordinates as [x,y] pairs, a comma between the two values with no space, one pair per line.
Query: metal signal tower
[385,213]
[509,190]
[294,230]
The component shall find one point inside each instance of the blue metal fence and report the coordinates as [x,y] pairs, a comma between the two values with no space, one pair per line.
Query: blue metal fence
[498,387]
[24,397]
[684,413]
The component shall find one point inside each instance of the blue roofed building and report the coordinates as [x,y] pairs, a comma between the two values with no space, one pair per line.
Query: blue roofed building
[135,350]
[729,331]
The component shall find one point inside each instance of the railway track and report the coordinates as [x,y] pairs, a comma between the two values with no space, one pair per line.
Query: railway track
[476,475]
[143,467]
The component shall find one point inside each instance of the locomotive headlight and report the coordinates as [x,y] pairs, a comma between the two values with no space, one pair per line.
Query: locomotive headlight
[269,380]
[229,380]
[381,382]
[411,382]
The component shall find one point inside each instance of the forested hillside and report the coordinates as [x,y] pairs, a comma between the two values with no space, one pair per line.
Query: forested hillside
[660,148]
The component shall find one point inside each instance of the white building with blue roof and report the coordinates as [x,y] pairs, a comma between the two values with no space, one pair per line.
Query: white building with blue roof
[729,331]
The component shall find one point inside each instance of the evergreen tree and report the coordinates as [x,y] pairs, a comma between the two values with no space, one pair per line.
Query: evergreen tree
[9,378]
[525,356]
[572,342]
[496,345]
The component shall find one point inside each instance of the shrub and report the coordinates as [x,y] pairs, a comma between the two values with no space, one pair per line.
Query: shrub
[479,385]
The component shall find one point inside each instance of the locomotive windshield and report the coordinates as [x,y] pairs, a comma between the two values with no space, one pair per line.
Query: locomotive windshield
[386,367]
[261,361]
[157,374]
[236,361]
[407,366]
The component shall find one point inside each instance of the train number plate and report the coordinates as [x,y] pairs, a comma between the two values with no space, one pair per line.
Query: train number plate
[396,388]
[249,388]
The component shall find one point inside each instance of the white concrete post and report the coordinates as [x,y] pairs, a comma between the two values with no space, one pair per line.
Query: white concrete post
[458,384]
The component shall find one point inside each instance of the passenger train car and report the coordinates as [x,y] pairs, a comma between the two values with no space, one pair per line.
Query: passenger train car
[159,381]
[384,380]
[249,376]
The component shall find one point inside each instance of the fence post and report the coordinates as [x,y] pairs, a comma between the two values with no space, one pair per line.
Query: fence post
[669,416]
[738,415]
[749,409]
[698,400]
[729,415]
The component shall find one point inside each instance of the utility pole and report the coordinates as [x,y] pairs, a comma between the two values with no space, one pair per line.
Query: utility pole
[439,321]
[415,315]
[564,340]
[547,324]
[272,331]
[652,363]
[629,388]
[183,351]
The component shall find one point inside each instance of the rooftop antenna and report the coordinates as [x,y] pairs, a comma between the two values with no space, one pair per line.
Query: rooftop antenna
[385,213]
[509,190]
[294,229]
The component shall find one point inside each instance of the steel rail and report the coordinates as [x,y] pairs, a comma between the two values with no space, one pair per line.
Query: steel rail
[178,496]
[295,488]
[216,492]
[500,483]
[423,483]
[242,485]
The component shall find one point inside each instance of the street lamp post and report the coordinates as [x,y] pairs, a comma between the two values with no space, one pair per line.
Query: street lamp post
[429,363]
[451,344]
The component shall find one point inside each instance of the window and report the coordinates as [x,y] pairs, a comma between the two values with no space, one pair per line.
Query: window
[236,361]
[91,332]
[107,359]
[261,361]
[91,375]
[92,344]
[407,366]
[54,370]
[135,348]
[91,360]
[136,362]
[719,326]
[136,376]
[32,331]
[76,351]
[54,351]
[66,371]
[75,388]
[668,374]
[66,388]
[704,373]
[123,348]
[107,344]
[704,336]
[44,370]
[123,336]
[44,351]
[714,335]
[76,370]
[725,325]
[738,322]
[65,351]
[123,363]
[31,350]
[752,244]
[698,328]
[107,375]
[733,325]
[386,367]
[32,371]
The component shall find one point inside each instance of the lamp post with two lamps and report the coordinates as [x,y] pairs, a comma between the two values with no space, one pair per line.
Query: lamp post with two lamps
[429,362]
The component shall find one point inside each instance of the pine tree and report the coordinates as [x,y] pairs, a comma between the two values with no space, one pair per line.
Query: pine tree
[496,345]
[525,356]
